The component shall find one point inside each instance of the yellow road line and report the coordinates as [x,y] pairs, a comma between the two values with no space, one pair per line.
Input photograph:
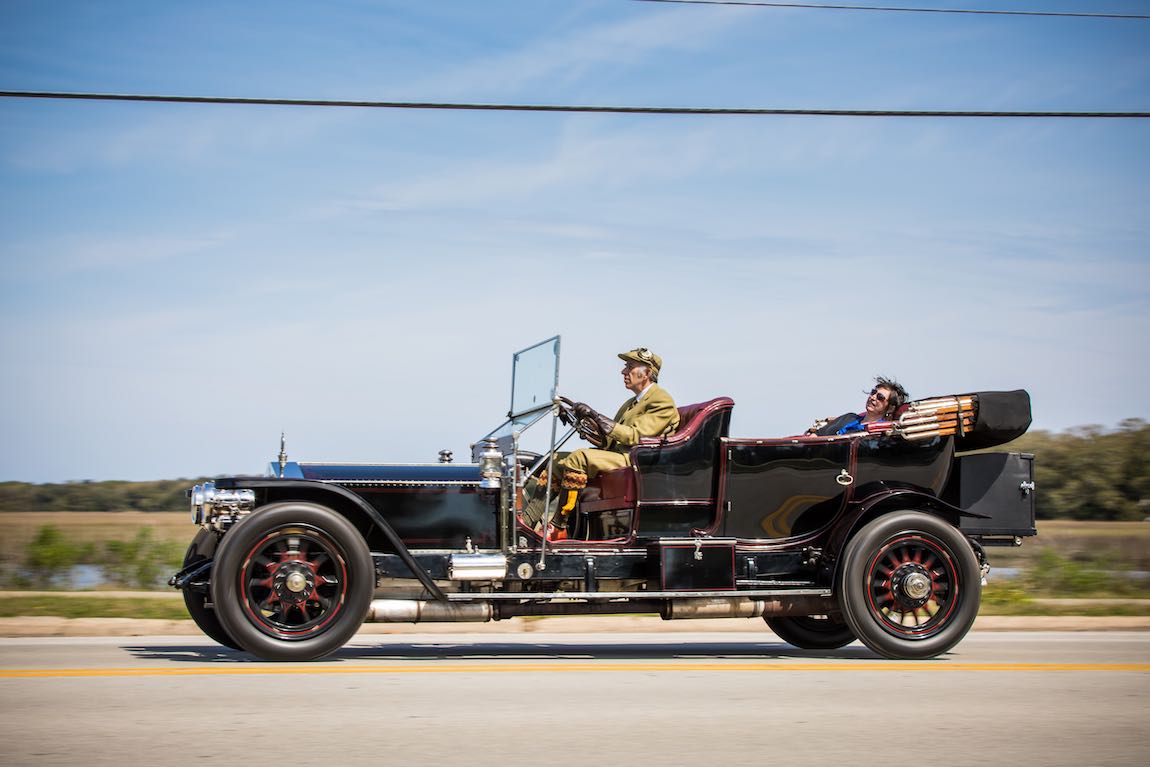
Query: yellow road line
[509,668]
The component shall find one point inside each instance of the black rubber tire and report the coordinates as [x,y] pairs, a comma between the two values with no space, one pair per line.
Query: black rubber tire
[885,567]
[297,544]
[811,632]
[201,548]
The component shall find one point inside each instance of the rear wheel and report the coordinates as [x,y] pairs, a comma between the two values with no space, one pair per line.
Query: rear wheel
[293,581]
[812,632]
[910,585]
[202,547]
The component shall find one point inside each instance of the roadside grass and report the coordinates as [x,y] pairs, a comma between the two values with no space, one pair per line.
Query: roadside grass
[1029,607]
[92,606]
[1015,598]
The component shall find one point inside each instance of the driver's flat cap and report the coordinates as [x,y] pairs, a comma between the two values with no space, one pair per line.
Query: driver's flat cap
[643,356]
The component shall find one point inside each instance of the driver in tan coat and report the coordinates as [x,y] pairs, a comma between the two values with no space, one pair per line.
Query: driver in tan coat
[650,413]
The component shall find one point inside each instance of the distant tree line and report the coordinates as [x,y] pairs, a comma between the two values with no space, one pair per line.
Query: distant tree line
[1087,472]
[160,495]
[1091,473]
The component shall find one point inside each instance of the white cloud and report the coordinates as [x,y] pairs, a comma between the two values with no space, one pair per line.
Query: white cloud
[133,136]
[570,58]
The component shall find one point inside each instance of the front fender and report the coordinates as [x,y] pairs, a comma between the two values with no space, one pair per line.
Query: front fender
[376,519]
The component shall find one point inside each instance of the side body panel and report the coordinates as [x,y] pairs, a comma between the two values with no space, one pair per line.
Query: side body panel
[432,517]
[429,506]
[777,489]
[797,488]
[435,506]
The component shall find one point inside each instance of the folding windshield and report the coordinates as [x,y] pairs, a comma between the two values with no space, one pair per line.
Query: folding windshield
[534,378]
[534,383]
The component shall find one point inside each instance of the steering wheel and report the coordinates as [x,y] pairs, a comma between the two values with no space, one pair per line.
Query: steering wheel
[571,413]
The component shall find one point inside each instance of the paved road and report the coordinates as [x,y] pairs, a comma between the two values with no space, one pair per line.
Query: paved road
[1031,698]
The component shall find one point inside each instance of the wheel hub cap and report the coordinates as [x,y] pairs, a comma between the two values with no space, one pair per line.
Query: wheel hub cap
[911,585]
[294,582]
[916,585]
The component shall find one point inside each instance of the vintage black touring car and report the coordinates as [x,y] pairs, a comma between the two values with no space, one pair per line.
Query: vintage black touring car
[876,535]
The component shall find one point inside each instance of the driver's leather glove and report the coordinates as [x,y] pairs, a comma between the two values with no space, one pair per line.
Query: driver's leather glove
[605,423]
[587,413]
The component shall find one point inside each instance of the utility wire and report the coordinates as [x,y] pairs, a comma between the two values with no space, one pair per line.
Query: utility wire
[903,10]
[559,107]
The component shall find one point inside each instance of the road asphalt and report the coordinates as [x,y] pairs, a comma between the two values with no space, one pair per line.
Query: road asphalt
[483,699]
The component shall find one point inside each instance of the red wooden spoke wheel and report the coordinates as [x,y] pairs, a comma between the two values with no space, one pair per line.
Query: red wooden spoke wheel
[909,585]
[292,581]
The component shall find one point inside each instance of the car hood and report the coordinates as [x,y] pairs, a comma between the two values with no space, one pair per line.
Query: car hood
[431,473]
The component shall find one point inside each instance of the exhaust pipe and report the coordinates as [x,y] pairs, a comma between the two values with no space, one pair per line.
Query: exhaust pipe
[424,611]
[678,609]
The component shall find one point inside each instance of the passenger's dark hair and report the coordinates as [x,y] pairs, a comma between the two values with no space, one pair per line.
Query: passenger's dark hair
[898,395]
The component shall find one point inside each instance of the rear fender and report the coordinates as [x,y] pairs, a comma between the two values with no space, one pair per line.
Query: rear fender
[884,500]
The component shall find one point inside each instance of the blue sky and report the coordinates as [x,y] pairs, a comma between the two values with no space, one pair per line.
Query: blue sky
[182,282]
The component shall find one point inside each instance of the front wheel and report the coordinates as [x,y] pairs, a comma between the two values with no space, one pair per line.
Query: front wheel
[293,581]
[811,632]
[909,585]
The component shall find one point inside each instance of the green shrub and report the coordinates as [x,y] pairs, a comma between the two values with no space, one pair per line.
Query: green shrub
[1001,593]
[141,562]
[49,557]
[1056,575]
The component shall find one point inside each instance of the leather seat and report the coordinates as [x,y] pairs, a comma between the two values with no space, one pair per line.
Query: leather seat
[679,466]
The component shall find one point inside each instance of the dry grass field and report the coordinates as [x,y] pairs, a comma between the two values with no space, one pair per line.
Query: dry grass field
[1127,544]
[18,528]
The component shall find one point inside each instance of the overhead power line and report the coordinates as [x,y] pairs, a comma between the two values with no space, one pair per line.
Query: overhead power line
[564,107]
[824,6]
